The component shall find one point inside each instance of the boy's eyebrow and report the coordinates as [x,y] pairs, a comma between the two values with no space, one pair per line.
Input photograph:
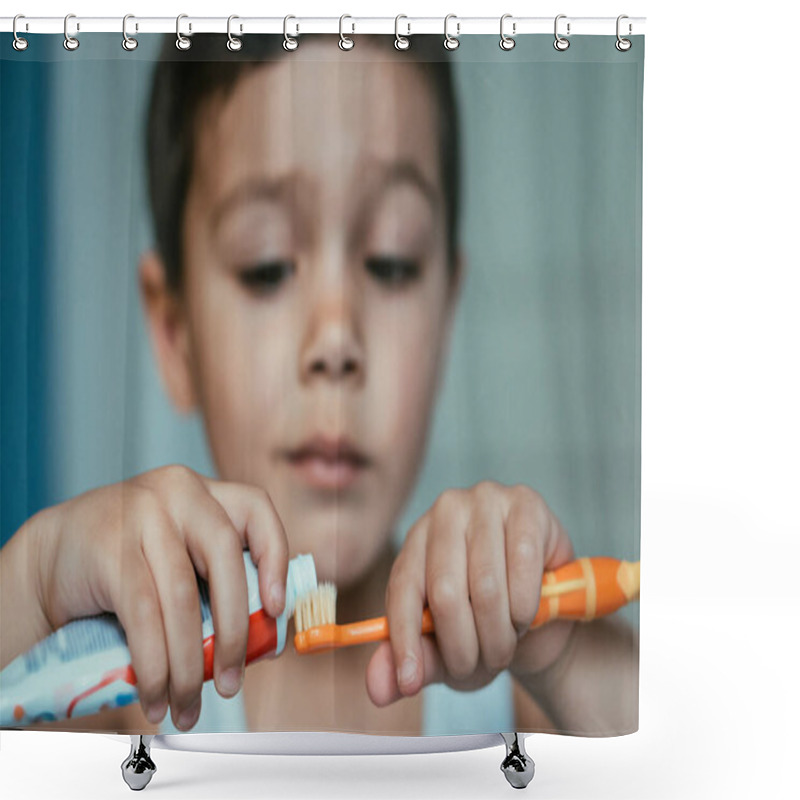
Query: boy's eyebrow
[254,188]
[404,170]
[390,173]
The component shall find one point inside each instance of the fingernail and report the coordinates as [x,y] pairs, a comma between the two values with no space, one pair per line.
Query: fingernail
[188,717]
[407,672]
[277,596]
[156,713]
[229,681]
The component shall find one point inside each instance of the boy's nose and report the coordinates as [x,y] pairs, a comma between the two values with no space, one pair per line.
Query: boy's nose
[333,348]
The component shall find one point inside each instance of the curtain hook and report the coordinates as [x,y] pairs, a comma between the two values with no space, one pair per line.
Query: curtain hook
[561,43]
[128,42]
[451,42]
[182,42]
[234,44]
[401,42]
[70,42]
[345,42]
[507,42]
[623,44]
[19,44]
[289,42]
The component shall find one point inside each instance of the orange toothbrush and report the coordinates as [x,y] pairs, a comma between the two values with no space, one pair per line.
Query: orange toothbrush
[581,590]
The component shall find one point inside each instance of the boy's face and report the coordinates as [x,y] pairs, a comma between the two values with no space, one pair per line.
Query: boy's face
[317,299]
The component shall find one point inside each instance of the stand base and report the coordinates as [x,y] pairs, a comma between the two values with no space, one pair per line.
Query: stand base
[517,766]
[138,768]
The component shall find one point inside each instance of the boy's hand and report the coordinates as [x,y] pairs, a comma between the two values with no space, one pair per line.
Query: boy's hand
[133,548]
[476,558]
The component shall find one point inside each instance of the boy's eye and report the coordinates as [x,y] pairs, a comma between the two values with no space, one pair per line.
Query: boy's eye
[391,270]
[266,277]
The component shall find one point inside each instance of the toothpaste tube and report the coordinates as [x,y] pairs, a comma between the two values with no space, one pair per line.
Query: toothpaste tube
[85,666]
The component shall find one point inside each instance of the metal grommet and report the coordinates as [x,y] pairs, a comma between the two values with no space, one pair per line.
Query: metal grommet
[507,42]
[289,43]
[561,43]
[401,42]
[233,44]
[451,42]
[623,45]
[128,42]
[70,42]
[345,42]
[182,42]
[19,44]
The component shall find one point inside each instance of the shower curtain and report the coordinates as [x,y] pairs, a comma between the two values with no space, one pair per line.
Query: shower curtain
[381,306]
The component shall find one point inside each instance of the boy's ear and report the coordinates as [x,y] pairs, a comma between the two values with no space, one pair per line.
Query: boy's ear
[169,332]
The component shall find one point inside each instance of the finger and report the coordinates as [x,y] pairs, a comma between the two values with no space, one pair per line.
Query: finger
[532,525]
[381,675]
[405,599]
[211,538]
[525,558]
[488,590]
[254,517]
[176,581]
[447,586]
[140,614]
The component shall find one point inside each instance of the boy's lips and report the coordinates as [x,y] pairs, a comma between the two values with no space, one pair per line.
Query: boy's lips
[328,463]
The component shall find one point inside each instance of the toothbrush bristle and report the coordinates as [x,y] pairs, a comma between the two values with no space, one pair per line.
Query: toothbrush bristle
[317,607]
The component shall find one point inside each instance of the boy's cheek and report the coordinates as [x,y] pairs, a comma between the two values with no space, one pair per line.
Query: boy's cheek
[240,411]
[404,398]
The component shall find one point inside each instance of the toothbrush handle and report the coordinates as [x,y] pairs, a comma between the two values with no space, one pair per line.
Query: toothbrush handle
[581,590]
[586,589]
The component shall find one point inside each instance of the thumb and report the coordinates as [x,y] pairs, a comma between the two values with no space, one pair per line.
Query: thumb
[381,676]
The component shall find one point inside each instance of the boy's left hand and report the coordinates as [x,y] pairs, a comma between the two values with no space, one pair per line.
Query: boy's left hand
[476,559]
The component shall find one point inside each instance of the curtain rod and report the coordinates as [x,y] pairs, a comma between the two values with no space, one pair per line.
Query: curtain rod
[456,26]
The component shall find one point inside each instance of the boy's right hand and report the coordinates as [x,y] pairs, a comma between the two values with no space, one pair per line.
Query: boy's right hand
[133,548]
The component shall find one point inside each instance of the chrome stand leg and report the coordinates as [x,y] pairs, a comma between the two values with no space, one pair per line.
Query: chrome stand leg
[517,766]
[138,767]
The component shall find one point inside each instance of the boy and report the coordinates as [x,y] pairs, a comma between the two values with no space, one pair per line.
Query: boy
[301,297]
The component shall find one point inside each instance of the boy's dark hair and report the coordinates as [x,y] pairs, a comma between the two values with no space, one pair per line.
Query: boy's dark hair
[184,80]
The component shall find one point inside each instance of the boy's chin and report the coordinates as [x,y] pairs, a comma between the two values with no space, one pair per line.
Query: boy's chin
[343,558]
